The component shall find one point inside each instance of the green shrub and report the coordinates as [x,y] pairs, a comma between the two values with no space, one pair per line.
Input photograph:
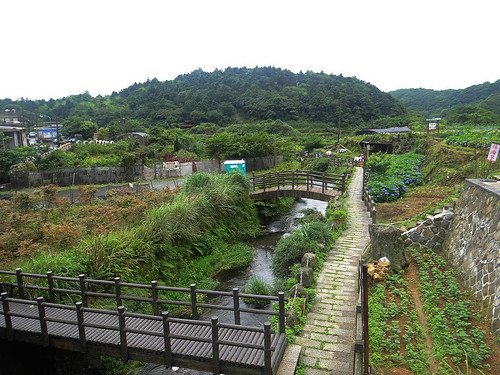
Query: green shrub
[289,250]
[271,209]
[339,216]
[336,211]
[203,270]
[320,164]
[311,214]
[316,231]
[230,256]
[378,164]
[259,287]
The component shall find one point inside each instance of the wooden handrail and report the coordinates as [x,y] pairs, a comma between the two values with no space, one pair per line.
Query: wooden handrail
[86,326]
[362,352]
[106,289]
[368,199]
[310,179]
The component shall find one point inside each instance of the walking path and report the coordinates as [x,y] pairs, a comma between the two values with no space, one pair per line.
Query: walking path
[327,339]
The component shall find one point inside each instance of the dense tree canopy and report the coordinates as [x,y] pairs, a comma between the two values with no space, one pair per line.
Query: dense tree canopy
[220,97]
[436,103]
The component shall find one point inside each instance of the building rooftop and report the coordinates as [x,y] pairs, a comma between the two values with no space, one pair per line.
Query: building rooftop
[403,129]
[6,129]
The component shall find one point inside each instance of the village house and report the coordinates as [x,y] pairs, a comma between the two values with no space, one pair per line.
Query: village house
[14,135]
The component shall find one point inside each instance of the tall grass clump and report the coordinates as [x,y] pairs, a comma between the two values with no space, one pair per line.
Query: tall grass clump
[316,231]
[205,220]
[71,262]
[208,203]
[258,287]
[121,253]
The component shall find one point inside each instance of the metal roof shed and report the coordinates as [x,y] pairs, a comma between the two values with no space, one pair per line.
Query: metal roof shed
[403,129]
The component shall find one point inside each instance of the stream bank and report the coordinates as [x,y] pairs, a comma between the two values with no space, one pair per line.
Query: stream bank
[260,267]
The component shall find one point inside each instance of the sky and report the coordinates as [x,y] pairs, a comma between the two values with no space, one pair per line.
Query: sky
[55,48]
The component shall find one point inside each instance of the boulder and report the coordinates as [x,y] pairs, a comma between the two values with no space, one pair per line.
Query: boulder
[307,276]
[309,260]
[386,241]
[299,289]
[291,318]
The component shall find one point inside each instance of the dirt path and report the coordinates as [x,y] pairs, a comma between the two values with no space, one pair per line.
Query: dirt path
[413,286]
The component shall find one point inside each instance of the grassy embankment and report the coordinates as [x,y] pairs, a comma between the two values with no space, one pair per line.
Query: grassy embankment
[175,238]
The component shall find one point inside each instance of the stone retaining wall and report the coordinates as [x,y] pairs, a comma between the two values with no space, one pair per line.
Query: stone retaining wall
[432,232]
[473,244]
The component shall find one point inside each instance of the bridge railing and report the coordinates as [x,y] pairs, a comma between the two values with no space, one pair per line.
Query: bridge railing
[309,179]
[368,199]
[120,325]
[55,288]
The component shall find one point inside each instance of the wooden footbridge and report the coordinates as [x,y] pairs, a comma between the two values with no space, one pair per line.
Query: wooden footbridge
[40,309]
[297,184]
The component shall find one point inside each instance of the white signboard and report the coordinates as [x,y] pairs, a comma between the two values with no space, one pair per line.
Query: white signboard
[493,154]
[170,165]
[432,125]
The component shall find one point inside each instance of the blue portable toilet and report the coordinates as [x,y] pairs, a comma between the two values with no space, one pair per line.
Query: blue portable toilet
[236,165]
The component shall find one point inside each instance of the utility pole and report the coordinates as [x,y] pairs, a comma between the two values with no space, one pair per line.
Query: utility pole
[338,132]
[339,123]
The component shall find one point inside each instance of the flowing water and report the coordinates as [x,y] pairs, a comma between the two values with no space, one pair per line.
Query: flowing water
[260,267]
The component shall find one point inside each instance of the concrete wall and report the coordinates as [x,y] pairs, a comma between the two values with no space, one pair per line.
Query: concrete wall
[262,162]
[162,170]
[207,165]
[104,175]
[83,176]
[473,244]
[166,170]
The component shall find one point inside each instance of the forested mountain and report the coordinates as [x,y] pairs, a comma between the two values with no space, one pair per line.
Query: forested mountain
[222,97]
[437,103]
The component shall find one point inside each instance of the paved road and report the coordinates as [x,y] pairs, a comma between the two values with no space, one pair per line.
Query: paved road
[101,192]
[328,337]
[72,194]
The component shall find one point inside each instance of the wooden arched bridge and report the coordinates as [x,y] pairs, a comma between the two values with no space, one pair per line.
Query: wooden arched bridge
[39,309]
[297,184]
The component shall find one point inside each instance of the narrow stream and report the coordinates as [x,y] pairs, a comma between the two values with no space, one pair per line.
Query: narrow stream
[261,264]
[263,247]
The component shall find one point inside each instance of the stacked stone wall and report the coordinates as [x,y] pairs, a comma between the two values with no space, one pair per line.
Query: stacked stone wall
[473,244]
[432,232]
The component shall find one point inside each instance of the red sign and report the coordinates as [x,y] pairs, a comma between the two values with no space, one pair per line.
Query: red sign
[493,154]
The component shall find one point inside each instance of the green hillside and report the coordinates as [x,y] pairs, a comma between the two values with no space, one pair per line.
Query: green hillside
[223,97]
[436,103]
